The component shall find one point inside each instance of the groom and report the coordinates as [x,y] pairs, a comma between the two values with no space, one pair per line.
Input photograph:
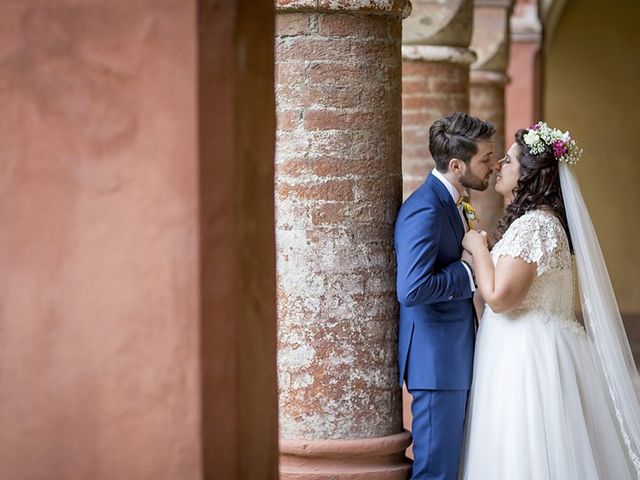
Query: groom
[435,291]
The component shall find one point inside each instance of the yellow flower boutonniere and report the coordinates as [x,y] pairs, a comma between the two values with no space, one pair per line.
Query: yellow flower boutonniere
[470,213]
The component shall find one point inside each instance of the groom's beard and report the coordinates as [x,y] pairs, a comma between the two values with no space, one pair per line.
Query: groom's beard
[474,183]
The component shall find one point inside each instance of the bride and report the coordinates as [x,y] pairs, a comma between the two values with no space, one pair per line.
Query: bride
[551,398]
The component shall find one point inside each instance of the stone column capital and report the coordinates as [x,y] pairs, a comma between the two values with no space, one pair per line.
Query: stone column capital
[439,23]
[491,38]
[526,25]
[397,8]
[436,53]
[488,77]
[507,4]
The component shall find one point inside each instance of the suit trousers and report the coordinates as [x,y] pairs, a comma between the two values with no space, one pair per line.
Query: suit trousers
[438,428]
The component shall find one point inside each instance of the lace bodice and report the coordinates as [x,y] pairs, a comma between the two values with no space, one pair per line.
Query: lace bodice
[539,237]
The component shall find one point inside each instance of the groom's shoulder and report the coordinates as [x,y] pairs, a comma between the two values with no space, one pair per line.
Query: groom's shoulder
[424,194]
[424,198]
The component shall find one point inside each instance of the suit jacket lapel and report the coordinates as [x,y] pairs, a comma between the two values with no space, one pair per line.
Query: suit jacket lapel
[447,202]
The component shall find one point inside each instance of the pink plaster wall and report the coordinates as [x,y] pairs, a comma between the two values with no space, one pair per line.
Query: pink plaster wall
[524,91]
[98,241]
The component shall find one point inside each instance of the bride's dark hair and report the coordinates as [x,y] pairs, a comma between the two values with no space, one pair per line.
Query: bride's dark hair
[537,187]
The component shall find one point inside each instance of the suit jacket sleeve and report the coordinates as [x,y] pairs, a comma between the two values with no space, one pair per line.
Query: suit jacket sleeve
[417,238]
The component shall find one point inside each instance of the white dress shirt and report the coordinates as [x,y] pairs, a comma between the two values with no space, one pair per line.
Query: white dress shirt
[455,195]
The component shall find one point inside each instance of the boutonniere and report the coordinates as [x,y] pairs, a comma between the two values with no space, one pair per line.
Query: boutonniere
[470,213]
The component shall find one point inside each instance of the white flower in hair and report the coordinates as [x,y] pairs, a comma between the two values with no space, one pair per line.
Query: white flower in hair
[531,138]
[565,148]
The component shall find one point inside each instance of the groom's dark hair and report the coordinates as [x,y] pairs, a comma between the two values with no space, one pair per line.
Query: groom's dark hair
[455,136]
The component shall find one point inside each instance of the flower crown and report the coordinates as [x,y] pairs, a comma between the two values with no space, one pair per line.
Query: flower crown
[565,148]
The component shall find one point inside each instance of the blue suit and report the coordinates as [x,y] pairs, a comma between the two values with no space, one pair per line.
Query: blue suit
[437,327]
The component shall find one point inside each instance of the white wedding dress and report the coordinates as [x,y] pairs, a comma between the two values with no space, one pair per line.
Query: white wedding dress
[539,407]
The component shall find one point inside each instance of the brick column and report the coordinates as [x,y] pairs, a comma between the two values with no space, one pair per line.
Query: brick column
[338,188]
[524,91]
[435,78]
[487,94]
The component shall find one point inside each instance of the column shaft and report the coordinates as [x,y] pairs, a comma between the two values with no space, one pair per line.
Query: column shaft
[338,188]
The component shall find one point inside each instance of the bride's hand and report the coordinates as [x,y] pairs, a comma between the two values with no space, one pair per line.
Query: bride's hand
[474,241]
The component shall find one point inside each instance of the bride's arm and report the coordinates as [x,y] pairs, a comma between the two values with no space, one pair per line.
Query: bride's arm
[505,286]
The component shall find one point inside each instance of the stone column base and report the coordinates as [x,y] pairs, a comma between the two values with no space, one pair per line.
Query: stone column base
[351,459]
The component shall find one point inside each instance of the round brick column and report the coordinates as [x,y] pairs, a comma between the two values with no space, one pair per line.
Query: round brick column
[487,93]
[338,189]
[435,78]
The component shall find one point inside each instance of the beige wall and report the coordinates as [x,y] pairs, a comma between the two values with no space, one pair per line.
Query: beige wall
[592,87]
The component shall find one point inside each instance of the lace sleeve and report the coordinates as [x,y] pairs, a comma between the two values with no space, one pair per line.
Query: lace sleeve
[534,237]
